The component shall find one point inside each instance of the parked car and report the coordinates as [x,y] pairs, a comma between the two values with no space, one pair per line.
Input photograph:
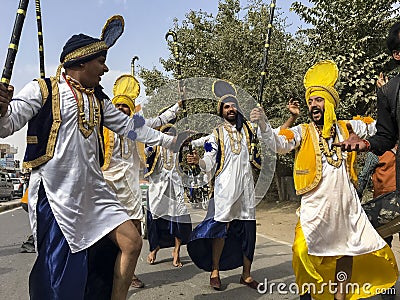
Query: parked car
[6,187]
[18,186]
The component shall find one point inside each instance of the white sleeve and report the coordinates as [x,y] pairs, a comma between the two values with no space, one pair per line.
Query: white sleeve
[200,141]
[210,157]
[363,130]
[281,144]
[23,107]
[164,118]
[122,124]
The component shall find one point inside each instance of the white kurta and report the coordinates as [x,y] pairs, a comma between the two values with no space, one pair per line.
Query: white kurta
[84,206]
[234,196]
[331,215]
[122,173]
[166,193]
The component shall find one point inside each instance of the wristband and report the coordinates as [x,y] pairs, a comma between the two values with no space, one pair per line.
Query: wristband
[367,143]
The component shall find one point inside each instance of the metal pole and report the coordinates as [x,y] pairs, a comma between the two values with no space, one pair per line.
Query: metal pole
[263,74]
[40,39]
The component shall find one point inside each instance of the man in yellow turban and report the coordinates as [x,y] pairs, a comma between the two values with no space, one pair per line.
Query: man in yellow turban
[335,248]
[122,157]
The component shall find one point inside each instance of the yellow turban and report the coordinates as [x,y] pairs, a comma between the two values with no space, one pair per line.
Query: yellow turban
[123,99]
[126,89]
[319,81]
[331,97]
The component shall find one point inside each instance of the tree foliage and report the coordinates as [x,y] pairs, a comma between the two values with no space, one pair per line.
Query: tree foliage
[230,46]
[352,33]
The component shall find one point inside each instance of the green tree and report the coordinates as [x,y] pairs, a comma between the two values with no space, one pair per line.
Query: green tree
[352,33]
[230,46]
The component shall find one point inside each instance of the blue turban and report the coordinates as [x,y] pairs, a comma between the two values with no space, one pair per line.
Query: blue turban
[81,48]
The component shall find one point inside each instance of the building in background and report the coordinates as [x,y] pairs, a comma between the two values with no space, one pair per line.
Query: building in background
[7,160]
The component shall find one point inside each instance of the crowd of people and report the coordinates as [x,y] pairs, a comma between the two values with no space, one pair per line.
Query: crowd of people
[84,198]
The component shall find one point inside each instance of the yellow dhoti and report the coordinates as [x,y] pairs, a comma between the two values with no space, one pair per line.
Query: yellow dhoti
[372,273]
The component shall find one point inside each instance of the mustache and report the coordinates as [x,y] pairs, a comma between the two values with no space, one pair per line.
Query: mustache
[316,109]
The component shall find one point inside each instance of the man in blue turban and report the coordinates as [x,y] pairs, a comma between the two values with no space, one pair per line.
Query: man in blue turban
[74,214]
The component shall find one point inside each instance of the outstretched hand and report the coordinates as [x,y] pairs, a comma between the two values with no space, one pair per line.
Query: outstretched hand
[382,80]
[294,107]
[353,143]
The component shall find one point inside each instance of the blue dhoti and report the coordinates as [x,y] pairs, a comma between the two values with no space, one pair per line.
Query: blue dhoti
[58,273]
[161,232]
[240,239]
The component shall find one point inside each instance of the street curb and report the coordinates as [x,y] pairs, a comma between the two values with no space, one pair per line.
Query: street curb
[9,206]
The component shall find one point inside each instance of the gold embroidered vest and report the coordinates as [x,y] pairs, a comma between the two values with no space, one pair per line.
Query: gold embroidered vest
[307,170]
[109,143]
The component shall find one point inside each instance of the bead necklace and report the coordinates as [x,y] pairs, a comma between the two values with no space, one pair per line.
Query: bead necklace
[235,139]
[78,86]
[324,147]
[168,159]
[85,126]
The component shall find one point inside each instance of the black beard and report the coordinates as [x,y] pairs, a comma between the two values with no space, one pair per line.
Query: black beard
[318,122]
[231,119]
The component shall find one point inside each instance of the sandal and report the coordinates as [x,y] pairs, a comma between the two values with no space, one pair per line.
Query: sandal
[252,284]
[137,283]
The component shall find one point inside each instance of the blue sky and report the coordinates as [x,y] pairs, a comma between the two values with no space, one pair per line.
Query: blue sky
[146,23]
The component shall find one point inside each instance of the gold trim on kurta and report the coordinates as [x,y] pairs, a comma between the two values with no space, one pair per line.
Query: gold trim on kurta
[32,139]
[140,150]
[157,149]
[246,132]
[44,90]
[219,134]
[56,111]
[109,142]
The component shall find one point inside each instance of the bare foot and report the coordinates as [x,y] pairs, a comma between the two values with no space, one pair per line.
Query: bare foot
[176,261]
[247,279]
[214,273]
[151,258]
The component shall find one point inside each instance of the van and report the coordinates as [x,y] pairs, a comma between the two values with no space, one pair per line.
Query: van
[6,187]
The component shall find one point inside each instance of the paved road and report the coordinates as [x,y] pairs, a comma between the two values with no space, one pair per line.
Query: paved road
[163,281]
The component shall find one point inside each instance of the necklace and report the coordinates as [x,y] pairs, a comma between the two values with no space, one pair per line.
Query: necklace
[85,126]
[329,153]
[235,139]
[168,159]
[78,86]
